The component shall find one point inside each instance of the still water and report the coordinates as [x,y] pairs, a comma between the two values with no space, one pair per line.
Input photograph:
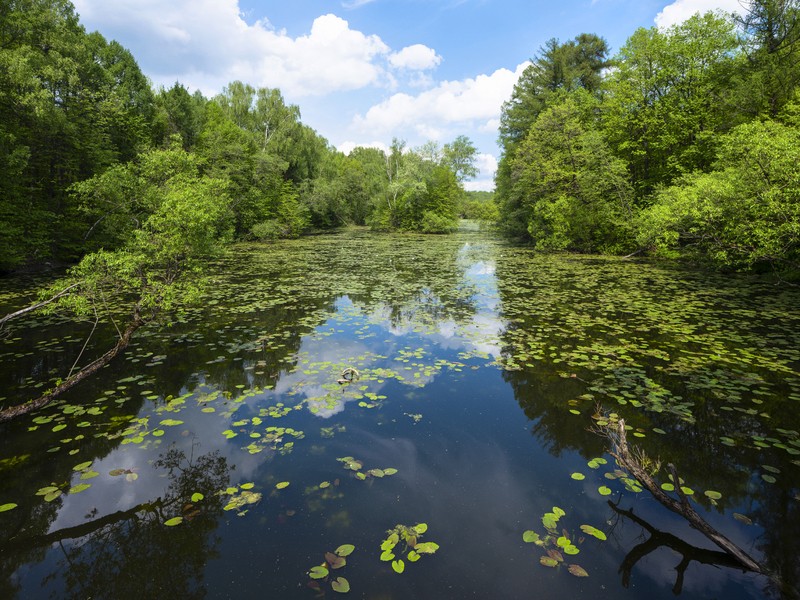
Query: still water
[330,389]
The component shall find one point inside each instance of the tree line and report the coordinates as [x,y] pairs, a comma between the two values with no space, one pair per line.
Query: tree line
[683,144]
[87,147]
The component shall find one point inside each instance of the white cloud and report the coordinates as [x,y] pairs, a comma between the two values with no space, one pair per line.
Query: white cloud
[348,146]
[449,102]
[206,44]
[681,10]
[416,58]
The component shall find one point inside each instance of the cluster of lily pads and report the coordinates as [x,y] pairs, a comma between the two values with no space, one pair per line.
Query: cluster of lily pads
[558,543]
[322,574]
[403,542]
[355,465]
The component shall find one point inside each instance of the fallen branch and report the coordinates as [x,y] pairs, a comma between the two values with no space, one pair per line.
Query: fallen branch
[13,412]
[37,306]
[623,456]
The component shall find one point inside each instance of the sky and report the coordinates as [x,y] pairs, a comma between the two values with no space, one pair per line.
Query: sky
[366,71]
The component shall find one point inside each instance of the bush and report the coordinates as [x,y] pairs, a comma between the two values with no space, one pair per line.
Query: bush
[269,230]
[433,223]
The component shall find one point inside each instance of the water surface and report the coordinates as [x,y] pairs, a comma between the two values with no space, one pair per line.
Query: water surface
[483,367]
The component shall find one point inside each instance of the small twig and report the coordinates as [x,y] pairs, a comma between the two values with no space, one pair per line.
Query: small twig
[86,343]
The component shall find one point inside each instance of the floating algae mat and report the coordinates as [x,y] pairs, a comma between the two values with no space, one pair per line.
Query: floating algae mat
[391,416]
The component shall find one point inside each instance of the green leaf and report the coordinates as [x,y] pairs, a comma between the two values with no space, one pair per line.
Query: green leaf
[82,466]
[345,550]
[387,555]
[248,486]
[589,530]
[413,556]
[341,585]
[399,566]
[713,495]
[7,507]
[281,485]
[426,548]
[530,537]
[578,476]
[171,422]
[318,572]
[79,488]
[420,528]
[604,490]
[173,521]
[197,496]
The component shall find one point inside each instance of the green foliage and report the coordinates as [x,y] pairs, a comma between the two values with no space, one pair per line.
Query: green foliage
[666,99]
[180,218]
[571,193]
[745,212]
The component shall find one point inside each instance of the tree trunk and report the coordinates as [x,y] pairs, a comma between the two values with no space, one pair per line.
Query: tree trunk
[13,412]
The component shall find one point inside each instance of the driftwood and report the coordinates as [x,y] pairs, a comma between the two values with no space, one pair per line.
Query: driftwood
[622,454]
[13,412]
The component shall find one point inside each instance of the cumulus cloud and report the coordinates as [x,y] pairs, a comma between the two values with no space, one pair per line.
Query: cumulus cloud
[206,44]
[465,101]
[681,10]
[416,58]
[348,146]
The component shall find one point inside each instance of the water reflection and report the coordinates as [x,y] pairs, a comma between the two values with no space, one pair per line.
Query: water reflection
[130,553]
[427,322]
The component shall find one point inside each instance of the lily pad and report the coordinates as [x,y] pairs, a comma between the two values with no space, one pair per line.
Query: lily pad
[318,572]
[345,550]
[547,561]
[341,585]
[173,521]
[578,476]
[604,490]
[281,485]
[577,570]
[7,507]
[589,530]
[398,565]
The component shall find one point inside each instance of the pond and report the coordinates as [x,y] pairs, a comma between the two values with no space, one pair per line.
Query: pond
[406,417]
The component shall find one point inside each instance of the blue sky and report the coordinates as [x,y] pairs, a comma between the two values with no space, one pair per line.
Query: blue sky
[365,71]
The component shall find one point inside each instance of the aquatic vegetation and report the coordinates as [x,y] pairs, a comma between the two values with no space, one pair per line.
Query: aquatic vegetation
[403,542]
[558,543]
[322,574]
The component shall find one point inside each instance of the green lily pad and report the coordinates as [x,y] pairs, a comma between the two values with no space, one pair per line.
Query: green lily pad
[345,550]
[7,507]
[341,585]
[531,537]
[318,572]
[197,496]
[173,521]
[604,490]
[712,494]
[281,485]
[589,530]
[399,566]
[578,476]
[77,489]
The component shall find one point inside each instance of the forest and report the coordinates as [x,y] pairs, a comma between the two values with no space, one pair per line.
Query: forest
[92,156]
[682,144]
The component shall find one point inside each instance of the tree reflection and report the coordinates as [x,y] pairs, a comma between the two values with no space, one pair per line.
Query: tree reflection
[131,553]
